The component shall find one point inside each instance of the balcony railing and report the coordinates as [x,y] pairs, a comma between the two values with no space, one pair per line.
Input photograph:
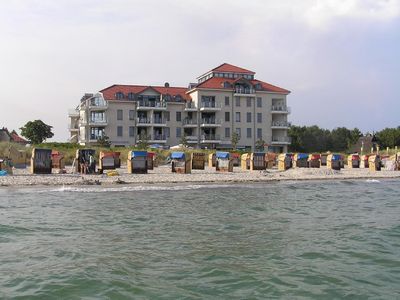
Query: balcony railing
[98,122]
[143,121]
[212,122]
[241,90]
[283,124]
[210,137]
[189,122]
[73,127]
[283,109]
[98,105]
[192,138]
[281,140]
[151,104]
[159,121]
[158,138]
[190,106]
[210,106]
[73,113]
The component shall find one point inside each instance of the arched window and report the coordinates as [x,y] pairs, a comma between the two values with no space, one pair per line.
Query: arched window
[119,95]
[178,98]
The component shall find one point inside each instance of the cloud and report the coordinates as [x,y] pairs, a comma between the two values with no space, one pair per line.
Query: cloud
[54,51]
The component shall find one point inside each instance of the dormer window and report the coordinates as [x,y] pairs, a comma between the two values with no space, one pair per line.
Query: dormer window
[227,85]
[178,98]
[131,96]
[167,97]
[119,95]
[257,86]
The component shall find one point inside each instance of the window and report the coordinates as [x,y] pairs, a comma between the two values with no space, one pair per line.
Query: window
[131,115]
[119,96]
[131,96]
[167,115]
[119,130]
[248,117]
[259,117]
[248,102]
[227,116]
[97,117]
[178,132]
[226,101]
[119,114]
[227,132]
[131,131]
[237,116]
[237,100]
[239,132]
[178,116]
[259,103]
[248,131]
[259,133]
[166,131]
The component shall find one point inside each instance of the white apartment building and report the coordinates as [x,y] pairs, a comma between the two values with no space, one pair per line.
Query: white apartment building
[226,99]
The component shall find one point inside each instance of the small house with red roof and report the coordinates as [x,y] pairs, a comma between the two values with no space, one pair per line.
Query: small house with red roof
[12,137]
[225,100]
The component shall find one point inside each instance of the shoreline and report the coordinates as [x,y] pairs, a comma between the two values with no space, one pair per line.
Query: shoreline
[163,175]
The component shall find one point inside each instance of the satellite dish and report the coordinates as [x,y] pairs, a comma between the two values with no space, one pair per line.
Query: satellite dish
[166,85]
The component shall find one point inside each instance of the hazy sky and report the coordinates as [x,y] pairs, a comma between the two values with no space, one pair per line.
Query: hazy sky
[340,58]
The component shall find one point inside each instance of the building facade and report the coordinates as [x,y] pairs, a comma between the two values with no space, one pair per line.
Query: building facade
[225,100]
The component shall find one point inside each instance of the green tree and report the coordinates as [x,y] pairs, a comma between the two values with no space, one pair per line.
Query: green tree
[143,141]
[260,145]
[36,131]
[184,140]
[389,137]
[235,138]
[103,141]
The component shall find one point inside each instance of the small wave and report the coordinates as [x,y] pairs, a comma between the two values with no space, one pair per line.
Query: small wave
[100,189]
[372,181]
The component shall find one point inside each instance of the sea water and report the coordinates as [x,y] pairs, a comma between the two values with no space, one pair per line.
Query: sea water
[289,240]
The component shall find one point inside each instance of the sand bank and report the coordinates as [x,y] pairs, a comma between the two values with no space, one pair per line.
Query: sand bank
[163,174]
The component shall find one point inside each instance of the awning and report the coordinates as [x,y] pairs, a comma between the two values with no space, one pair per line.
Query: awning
[177,155]
[139,153]
[302,156]
[222,155]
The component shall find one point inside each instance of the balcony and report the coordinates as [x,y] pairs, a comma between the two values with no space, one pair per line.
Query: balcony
[189,123]
[210,138]
[98,122]
[151,105]
[73,113]
[158,138]
[73,127]
[248,92]
[192,139]
[280,125]
[280,109]
[281,140]
[143,122]
[210,123]
[190,107]
[94,106]
[210,106]
[158,122]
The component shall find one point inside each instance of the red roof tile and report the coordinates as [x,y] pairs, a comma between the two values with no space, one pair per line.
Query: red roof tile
[218,83]
[110,92]
[231,68]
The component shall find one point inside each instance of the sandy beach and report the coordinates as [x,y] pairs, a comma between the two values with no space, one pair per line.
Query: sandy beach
[163,174]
